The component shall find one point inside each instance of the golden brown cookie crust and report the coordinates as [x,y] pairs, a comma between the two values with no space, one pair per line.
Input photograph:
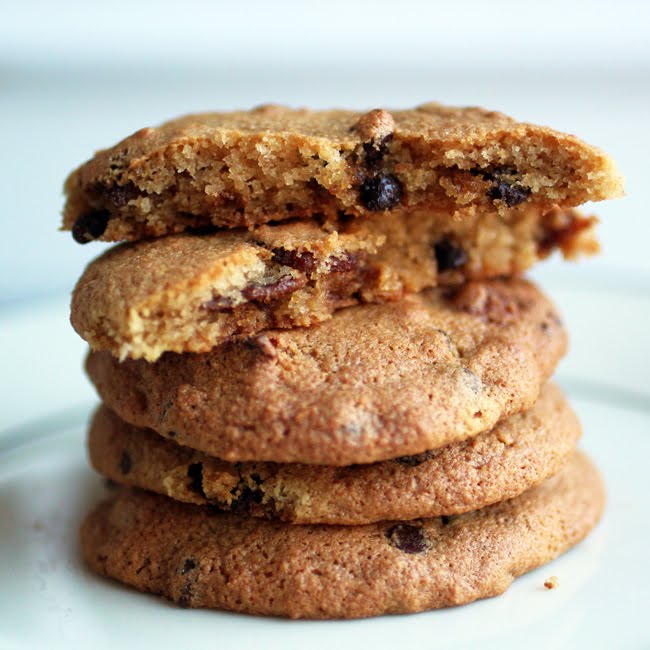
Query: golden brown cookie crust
[199,558]
[519,453]
[372,383]
[273,163]
[188,293]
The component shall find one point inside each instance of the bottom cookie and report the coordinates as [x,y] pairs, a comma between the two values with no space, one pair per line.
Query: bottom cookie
[201,558]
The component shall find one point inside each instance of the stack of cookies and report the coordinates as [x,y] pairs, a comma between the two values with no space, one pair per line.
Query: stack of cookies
[324,381]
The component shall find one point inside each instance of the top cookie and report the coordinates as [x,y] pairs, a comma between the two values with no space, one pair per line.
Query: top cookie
[273,163]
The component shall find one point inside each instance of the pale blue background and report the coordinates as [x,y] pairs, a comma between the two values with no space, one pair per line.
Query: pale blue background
[78,75]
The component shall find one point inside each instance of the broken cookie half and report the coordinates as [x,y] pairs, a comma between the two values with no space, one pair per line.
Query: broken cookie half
[274,163]
[189,292]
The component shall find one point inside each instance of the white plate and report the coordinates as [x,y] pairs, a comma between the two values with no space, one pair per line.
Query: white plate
[49,600]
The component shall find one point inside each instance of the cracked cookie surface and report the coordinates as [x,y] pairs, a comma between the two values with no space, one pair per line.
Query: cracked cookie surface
[274,163]
[372,383]
[197,557]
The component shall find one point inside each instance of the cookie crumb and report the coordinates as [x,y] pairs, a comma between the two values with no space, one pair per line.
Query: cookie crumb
[552,583]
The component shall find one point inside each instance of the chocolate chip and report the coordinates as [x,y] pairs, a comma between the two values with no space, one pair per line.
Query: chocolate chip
[125,463]
[246,500]
[185,597]
[199,231]
[446,519]
[511,195]
[273,291]
[505,187]
[381,192]
[195,473]
[188,565]
[90,226]
[449,255]
[301,260]
[408,538]
[417,459]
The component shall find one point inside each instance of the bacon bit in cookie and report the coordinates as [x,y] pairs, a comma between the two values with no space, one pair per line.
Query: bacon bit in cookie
[218,303]
[268,292]
[552,583]
[344,263]
[301,260]
[569,231]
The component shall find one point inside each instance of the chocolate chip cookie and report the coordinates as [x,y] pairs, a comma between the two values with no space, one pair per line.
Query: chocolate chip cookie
[198,557]
[188,293]
[372,383]
[517,454]
[274,163]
